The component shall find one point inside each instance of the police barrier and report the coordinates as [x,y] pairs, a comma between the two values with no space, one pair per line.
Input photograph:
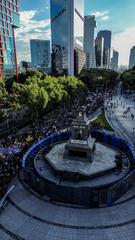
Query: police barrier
[117,190]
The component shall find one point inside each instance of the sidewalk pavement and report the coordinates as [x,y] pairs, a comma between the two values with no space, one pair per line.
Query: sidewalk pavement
[124,125]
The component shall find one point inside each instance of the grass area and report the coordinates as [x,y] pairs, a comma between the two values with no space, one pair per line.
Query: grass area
[102,122]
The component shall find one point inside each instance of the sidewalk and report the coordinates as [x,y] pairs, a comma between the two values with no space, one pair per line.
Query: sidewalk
[124,125]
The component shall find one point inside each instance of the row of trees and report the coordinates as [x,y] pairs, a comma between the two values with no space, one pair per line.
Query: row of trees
[41,91]
[99,78]
[128,78]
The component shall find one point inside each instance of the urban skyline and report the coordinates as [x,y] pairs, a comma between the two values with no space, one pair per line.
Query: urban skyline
[36,17]
[72,40]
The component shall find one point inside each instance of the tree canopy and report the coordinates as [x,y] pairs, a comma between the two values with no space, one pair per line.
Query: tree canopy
[3,91]
[41,91]
[98,78]
[128,78]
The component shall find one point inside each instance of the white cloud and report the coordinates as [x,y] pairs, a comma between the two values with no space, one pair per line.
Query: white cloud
[123,42]
[29,26]
[47,7]
[100,14]
[105,18]
[27,15]
[30,29]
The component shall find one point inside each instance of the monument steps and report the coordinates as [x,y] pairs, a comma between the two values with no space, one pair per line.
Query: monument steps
[29,218]
[45,210]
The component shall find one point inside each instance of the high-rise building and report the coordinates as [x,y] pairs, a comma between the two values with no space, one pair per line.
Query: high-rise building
[67,24]
[99,50]
[115,60]
[79,59]
[89,49]
[40,54]
[132,58]
[9,20]
[107,47]
[122,68]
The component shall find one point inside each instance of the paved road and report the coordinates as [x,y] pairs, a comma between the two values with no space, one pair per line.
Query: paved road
[123,125]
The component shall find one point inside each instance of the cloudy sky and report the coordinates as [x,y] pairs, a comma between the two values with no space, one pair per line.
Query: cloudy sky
[115,15]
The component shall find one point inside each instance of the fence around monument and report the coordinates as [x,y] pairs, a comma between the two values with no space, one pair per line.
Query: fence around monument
[99,197]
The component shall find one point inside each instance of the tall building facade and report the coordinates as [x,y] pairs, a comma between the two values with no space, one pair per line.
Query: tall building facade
[99,51]
[79,59]
[67,24]
[9,20]
[40,54]
[115,60]
[106,35]
[132,58]
[89,49]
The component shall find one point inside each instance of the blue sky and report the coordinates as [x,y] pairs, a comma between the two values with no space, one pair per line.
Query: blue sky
[115,15]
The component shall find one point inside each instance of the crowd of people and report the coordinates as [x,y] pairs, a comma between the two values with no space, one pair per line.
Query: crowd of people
[13,147]
[113,104]
[94,101]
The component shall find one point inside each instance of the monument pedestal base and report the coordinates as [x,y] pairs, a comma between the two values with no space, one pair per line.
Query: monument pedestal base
[80,150]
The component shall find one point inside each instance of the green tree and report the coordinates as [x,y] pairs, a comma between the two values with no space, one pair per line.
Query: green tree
[3,91]
[128,78]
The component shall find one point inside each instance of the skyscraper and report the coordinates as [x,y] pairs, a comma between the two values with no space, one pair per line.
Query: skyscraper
[132,58]
[107,47]
[67,21]
[9,20]
[99,50]
[40,54]
[89,27]
[114,61]
[79,59]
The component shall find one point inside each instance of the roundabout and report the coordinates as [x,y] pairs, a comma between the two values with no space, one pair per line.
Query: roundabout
[78,167]
[48,203]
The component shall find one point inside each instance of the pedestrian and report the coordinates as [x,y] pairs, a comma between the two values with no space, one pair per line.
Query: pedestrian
[132,116]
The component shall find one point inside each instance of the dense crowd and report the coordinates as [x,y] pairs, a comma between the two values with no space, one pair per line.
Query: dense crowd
[94,101]
[39,129]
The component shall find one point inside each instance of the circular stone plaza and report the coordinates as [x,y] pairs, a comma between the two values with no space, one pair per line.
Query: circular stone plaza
[73,185]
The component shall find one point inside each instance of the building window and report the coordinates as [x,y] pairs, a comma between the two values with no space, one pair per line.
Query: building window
[8,3]
[3,31]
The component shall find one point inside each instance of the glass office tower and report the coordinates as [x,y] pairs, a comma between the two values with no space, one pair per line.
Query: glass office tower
[115,60]
[106,35]
[99,51]
[132,58]
[40,54]
[9,20]
[67,20]
[89,48]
